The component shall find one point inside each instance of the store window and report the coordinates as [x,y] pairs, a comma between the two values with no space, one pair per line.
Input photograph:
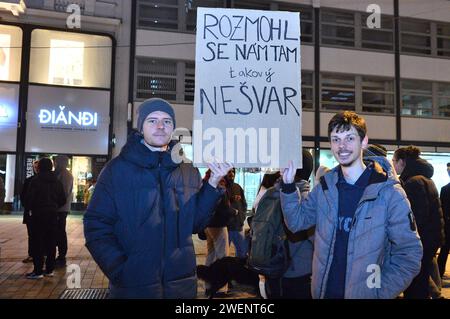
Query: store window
[327,159]
[439,161]
[7,174]
[67,120]
[10,53]
[417,98]
[9,110]
[70,59]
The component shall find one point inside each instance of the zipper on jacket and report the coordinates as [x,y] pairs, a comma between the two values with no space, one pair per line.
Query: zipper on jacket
[163,225]
[178,225]
[354,219]
[329,252]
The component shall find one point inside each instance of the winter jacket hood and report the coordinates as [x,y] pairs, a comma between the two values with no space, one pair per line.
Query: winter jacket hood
[416,167]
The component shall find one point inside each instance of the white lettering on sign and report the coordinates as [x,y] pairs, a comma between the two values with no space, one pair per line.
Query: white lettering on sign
[65,117]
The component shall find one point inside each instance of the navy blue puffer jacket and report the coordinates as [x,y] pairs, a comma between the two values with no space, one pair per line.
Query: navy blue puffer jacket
[139,223]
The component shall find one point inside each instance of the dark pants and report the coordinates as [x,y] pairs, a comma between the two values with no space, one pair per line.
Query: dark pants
[30,254]
[61,235]
[289,288]
[420,288]
[43,234]
[442,259]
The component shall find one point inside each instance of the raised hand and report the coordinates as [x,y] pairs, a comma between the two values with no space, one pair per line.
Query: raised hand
[288,173]
[218,171]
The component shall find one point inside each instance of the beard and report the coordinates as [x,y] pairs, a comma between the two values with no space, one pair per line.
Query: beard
[349,161]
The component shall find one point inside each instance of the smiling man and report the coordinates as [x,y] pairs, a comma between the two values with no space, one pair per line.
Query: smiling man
[366,244]
[144,210]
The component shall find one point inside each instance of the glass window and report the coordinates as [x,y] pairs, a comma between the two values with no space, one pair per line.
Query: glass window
[415,36]
[70,59]
[191,10]
[443,40]
[9,112]
[251,4]
[189,82]
[417,98]
[377,38]
[338,92]
[377,95]
[160,14]
[7,174]
[159,77]
[306,20]
[338,28]
[444,99]
[156,78]
[307,90]
[10,53]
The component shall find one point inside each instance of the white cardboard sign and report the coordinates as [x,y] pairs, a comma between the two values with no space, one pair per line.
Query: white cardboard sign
[247,108]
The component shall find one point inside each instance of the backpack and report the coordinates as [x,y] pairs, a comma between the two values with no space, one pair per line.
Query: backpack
[269,250]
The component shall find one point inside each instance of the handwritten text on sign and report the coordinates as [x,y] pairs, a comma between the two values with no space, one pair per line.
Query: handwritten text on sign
[247,87]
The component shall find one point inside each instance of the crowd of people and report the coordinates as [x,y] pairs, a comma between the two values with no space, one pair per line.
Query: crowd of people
[368,216]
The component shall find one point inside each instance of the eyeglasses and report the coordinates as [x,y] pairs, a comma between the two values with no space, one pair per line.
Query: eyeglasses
[167,123]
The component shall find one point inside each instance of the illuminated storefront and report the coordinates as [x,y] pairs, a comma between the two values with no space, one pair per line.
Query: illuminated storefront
[63,109]
[10,56]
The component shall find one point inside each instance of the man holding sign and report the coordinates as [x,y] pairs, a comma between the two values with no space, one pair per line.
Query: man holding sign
[145,207]
[366,244]
[247,87]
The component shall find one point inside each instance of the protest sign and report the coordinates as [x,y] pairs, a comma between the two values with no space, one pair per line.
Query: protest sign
[247,108]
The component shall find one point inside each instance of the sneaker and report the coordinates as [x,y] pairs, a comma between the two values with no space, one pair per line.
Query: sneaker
[49,274]
[33,275]
[28,260]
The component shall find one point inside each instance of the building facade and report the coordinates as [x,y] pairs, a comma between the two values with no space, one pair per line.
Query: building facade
[396,74]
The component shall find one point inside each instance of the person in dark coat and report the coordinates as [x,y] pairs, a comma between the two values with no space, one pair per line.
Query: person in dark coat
[26,212]
[296,281]
[415,175]
[145,207]
[44,196]
[217,237]
[236,222]
[445,201]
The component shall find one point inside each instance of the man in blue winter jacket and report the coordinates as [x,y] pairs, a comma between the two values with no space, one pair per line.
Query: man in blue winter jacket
[145,207]
[366,243]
